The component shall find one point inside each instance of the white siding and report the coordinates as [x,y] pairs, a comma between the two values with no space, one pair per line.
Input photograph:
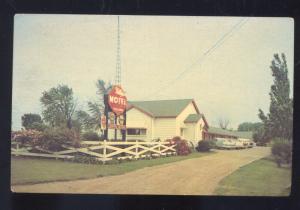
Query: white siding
[165,128]
[189,109]
[189,133]
[138,119]
[201,126]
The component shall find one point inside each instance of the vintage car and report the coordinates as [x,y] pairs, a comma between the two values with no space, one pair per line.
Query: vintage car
[239,144]
[223,143]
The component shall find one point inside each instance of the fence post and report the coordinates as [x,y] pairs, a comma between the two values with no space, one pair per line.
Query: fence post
[136,149]
[17,148]
[104,151]
[159,143]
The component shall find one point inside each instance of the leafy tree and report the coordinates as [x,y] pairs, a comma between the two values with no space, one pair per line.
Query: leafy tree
[279,121]
[96,108]
[84,120]
[259,135]
[249,126]
[59,106]
[30,120]
[38,126]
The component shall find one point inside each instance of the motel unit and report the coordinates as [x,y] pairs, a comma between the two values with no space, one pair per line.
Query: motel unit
[164,119]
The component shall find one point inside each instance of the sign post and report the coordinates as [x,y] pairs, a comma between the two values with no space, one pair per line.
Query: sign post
[115,111]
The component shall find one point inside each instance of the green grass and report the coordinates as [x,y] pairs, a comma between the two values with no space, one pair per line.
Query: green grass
[260,178]
[34,170]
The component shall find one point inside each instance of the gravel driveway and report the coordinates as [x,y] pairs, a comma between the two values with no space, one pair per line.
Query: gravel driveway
[198,176]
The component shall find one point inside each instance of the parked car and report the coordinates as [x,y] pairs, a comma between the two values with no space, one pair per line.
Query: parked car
[223,143]
[239,144]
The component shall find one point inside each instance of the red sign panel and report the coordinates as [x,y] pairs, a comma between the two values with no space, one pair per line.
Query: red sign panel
[103,122]
[117,100]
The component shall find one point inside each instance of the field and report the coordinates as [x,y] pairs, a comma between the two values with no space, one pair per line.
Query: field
[260,178]
[35,170]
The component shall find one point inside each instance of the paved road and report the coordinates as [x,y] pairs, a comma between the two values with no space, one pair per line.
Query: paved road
[198,176]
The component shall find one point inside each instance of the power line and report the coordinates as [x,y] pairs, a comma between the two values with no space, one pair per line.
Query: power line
[217,44]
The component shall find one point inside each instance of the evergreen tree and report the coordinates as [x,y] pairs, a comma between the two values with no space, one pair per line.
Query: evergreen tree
[278,123]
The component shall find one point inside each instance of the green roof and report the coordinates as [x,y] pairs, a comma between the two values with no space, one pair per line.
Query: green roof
[244,134]
[162,108]
[193,118]
[239,134]
[221,131]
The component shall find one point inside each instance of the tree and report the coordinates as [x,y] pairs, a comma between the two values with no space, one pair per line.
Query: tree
[259,136]
[249,126]
[278,123]
[96,108]
[83,120]
[223,123]
[30,121]
[59,106]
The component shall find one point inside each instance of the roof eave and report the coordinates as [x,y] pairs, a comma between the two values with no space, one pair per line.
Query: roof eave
[141,110]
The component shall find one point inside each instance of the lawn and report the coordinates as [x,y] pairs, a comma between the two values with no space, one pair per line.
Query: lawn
[34,170]
[260,178]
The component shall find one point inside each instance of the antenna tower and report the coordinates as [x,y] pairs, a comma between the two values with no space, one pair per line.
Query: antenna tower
[118,62]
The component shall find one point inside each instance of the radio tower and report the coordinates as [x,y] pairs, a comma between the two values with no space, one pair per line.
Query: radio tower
[118,62]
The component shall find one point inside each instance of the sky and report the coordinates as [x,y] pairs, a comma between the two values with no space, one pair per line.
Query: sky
[223,63]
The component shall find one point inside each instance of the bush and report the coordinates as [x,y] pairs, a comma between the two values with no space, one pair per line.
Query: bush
[86,159]
[26,137]
[91,136]
[204,146]
[51,139]
[54,138]
[38,126]
[182,147]
[282,151]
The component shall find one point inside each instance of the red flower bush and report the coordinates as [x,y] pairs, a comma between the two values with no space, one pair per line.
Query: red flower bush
[51,139]
[27,137]
[182,147]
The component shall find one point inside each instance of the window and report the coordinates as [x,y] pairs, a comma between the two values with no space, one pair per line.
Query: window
[136,131]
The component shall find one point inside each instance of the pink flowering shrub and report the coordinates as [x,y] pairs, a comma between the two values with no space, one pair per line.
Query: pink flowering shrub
[182,147]
[51,139]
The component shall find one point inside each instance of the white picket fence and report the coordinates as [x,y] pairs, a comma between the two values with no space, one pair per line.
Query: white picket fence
[104,150]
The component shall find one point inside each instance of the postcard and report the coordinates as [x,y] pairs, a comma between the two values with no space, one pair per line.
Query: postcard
[152,105]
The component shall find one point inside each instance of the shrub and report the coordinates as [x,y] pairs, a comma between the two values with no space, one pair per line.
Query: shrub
[26,137]
[38,126]
[182,147]
[282,151]
[204,146]
[86,159]
[91,136]
[54,138]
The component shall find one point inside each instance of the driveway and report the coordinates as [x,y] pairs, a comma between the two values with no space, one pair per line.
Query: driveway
[198,176]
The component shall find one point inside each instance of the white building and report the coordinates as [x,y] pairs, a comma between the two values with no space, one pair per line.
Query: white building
[164,119]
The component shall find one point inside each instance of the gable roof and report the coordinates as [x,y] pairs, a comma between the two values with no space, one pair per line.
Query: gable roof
[162,108]
[193,118]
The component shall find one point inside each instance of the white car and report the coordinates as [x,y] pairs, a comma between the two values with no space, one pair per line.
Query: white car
[239,144]
[223,143]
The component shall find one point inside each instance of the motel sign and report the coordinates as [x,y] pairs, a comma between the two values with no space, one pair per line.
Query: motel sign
[117,100]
